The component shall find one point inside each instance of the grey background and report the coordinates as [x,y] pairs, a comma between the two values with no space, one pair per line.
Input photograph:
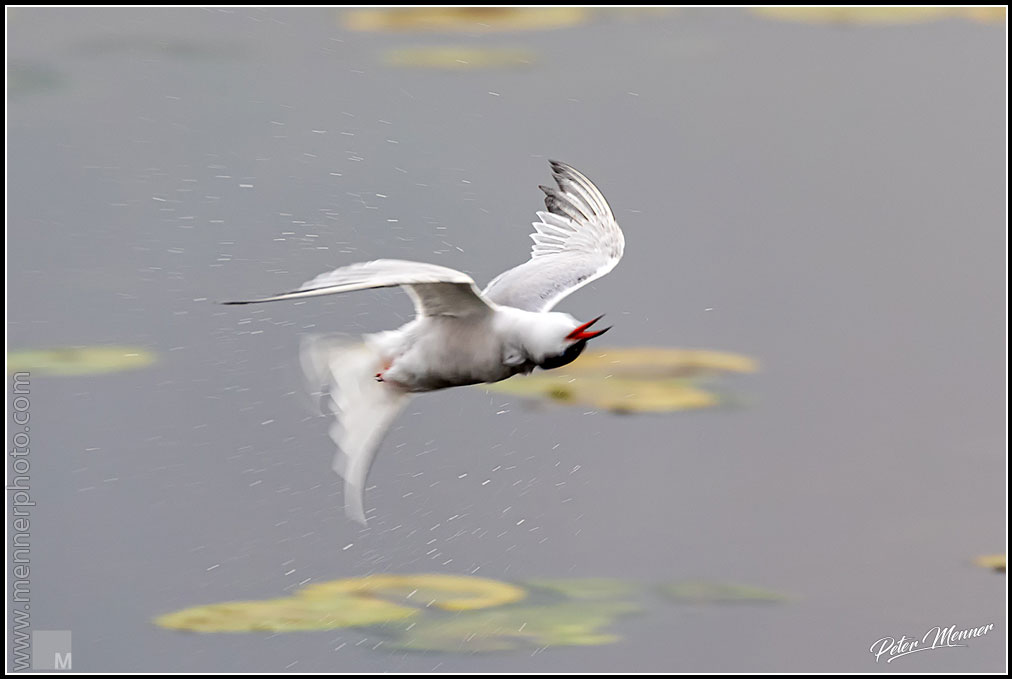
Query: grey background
[833,195]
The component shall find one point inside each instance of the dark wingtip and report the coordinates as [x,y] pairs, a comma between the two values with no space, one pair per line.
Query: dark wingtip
[239,302]
[560,168]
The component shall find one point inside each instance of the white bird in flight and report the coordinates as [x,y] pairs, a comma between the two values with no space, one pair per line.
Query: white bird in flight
[460,335]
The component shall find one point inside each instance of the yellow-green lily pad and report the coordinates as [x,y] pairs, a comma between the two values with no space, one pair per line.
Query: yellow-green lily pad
[654,362]
[456,58]
[351,602]
[72,361]
[995,562]
[631,380]
[463,19]
[586,589]
[286,614]
[616,395]
[509,628]
[448,592]
[703,592]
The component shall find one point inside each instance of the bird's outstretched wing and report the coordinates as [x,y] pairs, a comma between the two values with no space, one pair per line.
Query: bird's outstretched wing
[576,241]
[435,290]
[343,371]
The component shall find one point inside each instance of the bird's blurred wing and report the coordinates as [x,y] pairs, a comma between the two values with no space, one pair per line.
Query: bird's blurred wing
[576,241]
[435,290]
[344,371]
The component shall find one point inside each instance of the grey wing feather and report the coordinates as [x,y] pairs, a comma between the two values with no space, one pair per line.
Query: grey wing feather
[575,242]
[435,290]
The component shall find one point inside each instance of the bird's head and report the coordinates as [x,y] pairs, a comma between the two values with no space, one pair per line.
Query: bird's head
[566,342]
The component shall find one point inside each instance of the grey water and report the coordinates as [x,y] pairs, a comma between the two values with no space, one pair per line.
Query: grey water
[827,199]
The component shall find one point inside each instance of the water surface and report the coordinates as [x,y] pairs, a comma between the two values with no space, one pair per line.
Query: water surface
[827,199]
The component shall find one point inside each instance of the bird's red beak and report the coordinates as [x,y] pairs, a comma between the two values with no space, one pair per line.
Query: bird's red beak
[581,332]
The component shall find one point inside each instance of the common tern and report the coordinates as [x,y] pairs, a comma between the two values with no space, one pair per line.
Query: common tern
[460,335]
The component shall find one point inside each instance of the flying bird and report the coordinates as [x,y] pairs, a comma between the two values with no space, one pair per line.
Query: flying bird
[460,335]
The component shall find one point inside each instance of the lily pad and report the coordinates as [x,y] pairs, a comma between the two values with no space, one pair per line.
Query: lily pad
[995,562]
[703,592]
[448,592]
[463,19]
[586,589]
[881,15]
[286,614]
[431,612]
[71,361]
[631,380]
[653,362]
[623,396]
[509,628]
[351,602]
[460,58]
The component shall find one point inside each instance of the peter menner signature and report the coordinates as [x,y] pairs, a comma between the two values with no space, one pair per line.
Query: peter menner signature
[937,637]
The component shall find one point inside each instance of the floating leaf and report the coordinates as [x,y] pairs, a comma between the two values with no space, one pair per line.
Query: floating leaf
[286,615]
[71,361]
[586,589]
[352,602]
[881,15]
[653,362]
[702,592]
[463,19]
[577,623]
[459,58]
[448,592]
[631,380]
[626,396]
[993,561]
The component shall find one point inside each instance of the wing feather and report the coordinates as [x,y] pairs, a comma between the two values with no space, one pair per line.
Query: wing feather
[576,241]
[435,290]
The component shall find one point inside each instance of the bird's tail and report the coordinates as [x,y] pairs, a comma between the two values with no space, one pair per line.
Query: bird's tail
[343,371]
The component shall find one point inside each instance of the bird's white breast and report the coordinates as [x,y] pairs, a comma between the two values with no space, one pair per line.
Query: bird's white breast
[444,351]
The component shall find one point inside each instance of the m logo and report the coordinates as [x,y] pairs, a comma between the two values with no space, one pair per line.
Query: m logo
[51,650]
